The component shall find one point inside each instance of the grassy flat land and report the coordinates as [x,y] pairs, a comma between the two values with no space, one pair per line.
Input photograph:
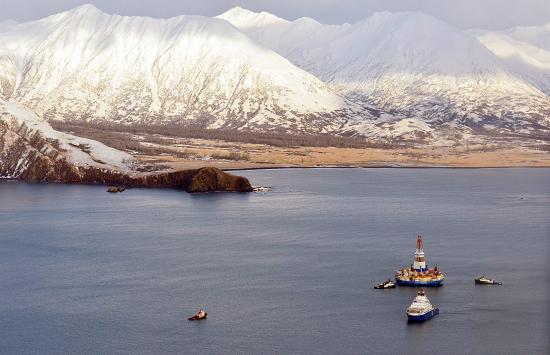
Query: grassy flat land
[198,152]
[181,148]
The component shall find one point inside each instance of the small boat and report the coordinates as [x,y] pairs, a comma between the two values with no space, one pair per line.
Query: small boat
[484,280]
[262,189]
[421,309]
[386,284]
[200,315]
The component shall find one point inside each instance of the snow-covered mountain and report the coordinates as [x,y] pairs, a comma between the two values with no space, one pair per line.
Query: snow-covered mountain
[88,65]
[525,50]
[408,64]
[392,75]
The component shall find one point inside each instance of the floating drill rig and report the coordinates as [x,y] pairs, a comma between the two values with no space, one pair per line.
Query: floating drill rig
[419,274]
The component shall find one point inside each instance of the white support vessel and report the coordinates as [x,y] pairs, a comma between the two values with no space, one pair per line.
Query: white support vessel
[421,309]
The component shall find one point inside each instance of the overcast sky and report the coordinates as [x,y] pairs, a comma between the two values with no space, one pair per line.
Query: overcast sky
[489,14]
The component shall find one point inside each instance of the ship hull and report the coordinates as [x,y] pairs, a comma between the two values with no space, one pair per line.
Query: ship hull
[480,282]
[423,317]
[418,283]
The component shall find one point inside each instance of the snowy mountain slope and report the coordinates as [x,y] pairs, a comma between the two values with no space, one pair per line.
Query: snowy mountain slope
[88,65]
[288,38]
[538,36]
[526,51]
[408,64]
[22,127]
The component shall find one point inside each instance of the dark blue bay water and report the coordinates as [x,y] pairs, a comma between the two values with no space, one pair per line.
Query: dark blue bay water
[289,271]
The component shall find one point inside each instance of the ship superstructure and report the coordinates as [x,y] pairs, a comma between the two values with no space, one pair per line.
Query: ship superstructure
[421,309]
[419,274]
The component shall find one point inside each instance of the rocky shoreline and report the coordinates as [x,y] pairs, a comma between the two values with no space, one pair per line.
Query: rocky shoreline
[207,179]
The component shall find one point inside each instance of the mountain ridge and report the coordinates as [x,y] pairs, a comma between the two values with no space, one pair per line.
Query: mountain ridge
[391,76]
[410,64]
[156,70]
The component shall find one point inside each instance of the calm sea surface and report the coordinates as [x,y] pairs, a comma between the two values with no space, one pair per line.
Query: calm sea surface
[287,271]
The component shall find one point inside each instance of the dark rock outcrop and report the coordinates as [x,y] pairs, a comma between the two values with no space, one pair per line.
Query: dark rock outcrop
[212,179]
[206,179]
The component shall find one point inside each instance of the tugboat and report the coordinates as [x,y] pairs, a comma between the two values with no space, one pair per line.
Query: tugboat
[386,284]
[418,274]
[200,315]
[421,309]
[484,280]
